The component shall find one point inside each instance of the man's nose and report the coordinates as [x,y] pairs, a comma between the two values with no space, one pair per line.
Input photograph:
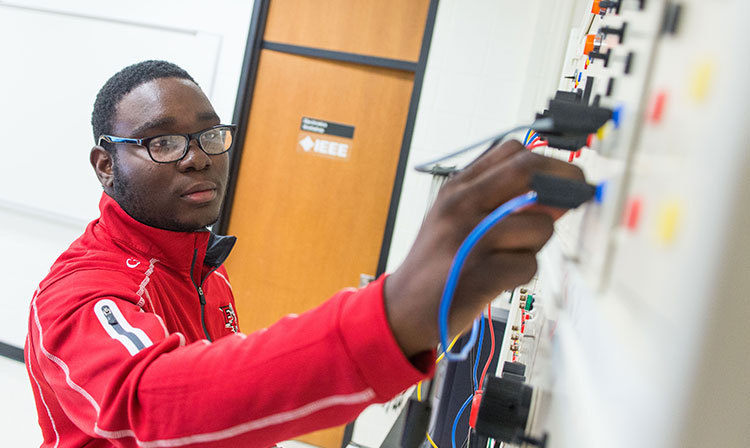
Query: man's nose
[195,158]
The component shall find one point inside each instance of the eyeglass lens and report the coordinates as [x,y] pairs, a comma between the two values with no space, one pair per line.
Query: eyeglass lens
[169,148]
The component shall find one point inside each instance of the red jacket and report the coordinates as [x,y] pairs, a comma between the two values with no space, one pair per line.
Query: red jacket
[117,354]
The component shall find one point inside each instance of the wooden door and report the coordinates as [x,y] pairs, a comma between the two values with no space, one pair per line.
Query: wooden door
[310,209]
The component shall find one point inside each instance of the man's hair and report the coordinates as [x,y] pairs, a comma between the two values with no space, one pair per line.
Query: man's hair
[121,83]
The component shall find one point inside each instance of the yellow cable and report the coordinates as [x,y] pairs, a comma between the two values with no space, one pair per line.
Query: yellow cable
[450,346]
[442,355]
[430,439]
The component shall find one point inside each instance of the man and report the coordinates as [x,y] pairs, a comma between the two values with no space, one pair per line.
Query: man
[128,343]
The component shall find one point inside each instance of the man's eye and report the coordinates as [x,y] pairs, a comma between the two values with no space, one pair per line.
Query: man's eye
[161,143]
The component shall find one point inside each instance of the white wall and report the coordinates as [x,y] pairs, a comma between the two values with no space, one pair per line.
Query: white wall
[480,61]
[54,57]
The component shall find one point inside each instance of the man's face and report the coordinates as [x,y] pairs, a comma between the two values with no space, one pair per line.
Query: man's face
[185,195]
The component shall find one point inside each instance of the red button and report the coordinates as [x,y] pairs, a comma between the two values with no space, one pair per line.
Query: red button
[657,107]
[633,213]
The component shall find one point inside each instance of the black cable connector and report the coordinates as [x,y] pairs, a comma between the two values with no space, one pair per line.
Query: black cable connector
[571,97]
[504,409]
[566,143]
[574,119]
[619,32]
[561,192]
[611,5]
[603,56]
[416,423]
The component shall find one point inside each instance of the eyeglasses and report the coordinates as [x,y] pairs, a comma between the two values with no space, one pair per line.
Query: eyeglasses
[170,148]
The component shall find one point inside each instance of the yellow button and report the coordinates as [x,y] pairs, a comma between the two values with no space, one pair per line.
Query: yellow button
[602,132]
[700,81]
[669,221]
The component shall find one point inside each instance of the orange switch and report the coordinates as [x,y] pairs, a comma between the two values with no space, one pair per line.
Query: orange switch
[591,44]
[595,9]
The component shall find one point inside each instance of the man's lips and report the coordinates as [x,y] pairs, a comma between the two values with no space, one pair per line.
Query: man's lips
[201,193]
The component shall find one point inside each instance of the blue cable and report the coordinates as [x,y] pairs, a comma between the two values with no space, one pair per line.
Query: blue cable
[479,354]
[526,138]
[455,422]
[530,138]
[458,261]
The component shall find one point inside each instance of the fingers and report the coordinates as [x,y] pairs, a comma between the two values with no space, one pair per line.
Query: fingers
[520,231]
[492,157]
[505,172]
[499,271]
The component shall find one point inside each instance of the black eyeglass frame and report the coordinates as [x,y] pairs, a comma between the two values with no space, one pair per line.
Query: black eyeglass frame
[144,142]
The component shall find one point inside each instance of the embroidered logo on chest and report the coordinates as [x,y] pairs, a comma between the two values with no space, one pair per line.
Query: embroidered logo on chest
[230,318]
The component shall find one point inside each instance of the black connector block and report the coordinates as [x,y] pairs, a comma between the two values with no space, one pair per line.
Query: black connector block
[516,368]
[588,89]
[566,143]
[416,424]
[561,192]
[504,409]
[619,32]
[671,22]
[570,97]
[611,5]
[603,56]
[575,118]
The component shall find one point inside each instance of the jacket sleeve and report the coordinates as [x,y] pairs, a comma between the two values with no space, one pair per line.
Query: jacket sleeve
[119,375]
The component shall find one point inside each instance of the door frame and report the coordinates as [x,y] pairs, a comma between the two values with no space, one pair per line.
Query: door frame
[256,43]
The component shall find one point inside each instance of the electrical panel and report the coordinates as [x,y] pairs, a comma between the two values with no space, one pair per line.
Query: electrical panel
[635,292]
[634,331]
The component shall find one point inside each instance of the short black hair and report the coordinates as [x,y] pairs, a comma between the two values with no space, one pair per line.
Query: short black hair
[121,83]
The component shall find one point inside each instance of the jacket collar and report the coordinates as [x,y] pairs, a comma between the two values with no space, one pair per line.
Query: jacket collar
[170,248]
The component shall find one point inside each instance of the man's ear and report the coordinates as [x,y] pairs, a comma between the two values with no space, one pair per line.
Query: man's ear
[103,163]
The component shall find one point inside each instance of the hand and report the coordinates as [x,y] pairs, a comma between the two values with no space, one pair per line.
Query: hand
[503,259]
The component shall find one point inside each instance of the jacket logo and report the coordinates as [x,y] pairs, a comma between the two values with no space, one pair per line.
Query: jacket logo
[230,318]
[132,263]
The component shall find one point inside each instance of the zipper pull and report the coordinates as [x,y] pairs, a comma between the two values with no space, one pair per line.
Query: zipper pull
[201,296]
[108,314]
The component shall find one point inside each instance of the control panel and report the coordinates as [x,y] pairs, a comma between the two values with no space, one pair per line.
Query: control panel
[633,332]
[613,343]
[616,333]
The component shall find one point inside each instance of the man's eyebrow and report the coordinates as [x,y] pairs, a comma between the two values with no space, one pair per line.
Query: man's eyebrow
[207,116]
[159,122]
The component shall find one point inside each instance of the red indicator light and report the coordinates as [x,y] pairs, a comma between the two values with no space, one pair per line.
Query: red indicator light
[633,213]
[657,107]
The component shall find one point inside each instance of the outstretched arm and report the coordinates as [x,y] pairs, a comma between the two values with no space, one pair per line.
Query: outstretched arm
[503,259]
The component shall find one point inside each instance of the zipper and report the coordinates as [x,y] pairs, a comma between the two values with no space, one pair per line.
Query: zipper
[201,295]
[112,320]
